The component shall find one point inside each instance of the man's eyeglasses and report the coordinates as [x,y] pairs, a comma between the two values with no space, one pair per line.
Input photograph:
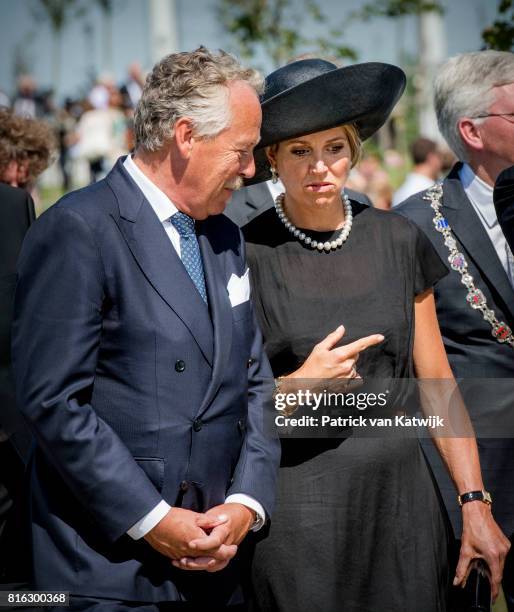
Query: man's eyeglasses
[507,116]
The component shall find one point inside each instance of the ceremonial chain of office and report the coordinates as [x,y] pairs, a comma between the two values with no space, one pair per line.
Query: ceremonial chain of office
[475,297]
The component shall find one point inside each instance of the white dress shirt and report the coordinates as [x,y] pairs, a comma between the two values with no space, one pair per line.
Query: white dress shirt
[165,209]
[480,194]
[275,189]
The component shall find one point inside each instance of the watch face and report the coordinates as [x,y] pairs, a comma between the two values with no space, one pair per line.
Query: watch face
[487,497]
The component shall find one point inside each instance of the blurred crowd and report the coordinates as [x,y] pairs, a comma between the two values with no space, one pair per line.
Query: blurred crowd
[86,135]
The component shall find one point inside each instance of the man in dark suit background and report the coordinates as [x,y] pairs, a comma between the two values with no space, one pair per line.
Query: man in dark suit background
[504,202]
[139,364]
[474,103]
[16,214]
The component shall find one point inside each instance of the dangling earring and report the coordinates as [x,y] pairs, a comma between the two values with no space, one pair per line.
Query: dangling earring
[274,175]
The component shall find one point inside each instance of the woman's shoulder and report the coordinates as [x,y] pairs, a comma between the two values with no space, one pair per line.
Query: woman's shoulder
[386,219]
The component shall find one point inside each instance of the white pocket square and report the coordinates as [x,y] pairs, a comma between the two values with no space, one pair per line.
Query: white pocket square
[239,288]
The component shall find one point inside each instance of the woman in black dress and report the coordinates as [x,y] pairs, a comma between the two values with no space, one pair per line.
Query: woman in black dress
[359,525]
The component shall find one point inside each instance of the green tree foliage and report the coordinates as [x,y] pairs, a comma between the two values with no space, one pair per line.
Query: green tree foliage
[500,35]
[273,27]
[398,8]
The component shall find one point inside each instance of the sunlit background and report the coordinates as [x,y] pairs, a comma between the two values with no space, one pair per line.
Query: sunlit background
[70,55]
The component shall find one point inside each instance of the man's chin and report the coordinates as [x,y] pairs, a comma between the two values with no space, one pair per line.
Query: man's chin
[218,205]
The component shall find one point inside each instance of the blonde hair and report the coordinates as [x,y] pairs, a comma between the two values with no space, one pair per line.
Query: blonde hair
[354,142]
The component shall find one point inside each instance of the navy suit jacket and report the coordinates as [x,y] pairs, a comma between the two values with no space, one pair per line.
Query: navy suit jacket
[136,391]
[472,350]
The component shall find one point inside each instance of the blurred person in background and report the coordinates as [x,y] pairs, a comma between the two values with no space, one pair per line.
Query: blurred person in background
[474,104]
[427,161]
[102,133]
[132,88]
[28,101]
[66,123]
[448,160]
[369,177]
[98,97]
[380,191]
[26,150]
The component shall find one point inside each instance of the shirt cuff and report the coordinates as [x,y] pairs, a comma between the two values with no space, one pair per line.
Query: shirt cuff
[149,521]
[253,504]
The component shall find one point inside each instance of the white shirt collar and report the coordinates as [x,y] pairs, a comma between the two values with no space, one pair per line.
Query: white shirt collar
[158,200]
[275,188]
[479,193]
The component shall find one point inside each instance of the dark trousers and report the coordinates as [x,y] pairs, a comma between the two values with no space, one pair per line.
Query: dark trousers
[14,541]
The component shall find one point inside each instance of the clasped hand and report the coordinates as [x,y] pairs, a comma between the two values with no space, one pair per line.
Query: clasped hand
[201,541]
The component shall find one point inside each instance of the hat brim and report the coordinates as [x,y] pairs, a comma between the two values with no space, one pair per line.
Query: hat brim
[362,94]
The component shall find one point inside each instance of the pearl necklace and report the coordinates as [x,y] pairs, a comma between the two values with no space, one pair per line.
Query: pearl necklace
[330,245]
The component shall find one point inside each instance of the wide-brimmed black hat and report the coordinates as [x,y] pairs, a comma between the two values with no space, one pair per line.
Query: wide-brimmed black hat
[312,95]
[503,197]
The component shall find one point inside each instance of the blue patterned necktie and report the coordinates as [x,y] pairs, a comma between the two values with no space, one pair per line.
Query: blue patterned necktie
[190,251]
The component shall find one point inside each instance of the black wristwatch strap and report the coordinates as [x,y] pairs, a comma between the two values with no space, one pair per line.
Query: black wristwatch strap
[483,496]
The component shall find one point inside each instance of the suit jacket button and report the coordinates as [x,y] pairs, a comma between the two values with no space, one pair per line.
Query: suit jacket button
[197,425]
[241,425]
[184,486]
[180,365]
[250,362]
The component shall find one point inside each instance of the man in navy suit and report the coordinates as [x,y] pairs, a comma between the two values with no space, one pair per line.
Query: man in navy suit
[474,103]
[138,362]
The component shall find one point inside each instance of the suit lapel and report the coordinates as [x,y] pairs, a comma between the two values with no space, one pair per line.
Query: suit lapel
[151,248]
[221,311]
[258,199]
[260,196]
[470,232]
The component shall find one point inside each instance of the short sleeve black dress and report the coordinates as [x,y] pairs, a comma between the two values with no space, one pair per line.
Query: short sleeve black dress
[359,526]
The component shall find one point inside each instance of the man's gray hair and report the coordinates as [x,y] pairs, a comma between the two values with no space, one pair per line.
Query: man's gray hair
[464,88]
[189,84]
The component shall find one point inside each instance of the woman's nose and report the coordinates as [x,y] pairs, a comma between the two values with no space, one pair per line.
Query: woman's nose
[319,166]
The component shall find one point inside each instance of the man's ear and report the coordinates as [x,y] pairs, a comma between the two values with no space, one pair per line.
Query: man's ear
[183,131]
[470,134]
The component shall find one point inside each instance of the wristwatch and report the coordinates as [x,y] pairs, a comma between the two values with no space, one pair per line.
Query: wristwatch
[483,496]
